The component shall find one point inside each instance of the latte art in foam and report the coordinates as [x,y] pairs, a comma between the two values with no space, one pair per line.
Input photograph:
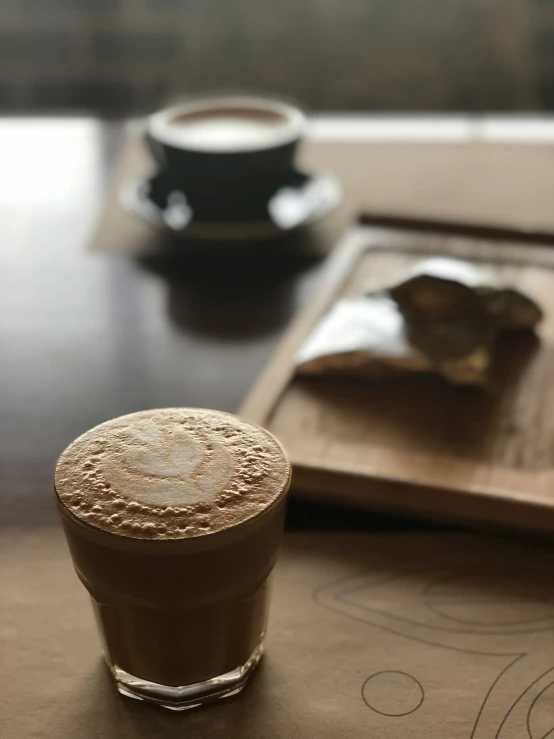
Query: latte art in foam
[170,474]
[184,465]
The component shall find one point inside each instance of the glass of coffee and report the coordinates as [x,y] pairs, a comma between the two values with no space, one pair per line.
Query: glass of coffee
[173,518]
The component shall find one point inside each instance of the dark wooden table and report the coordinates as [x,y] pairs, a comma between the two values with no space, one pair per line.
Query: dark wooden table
[86,336]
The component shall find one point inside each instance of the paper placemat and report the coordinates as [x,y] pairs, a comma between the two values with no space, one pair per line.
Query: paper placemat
[415,635]
[502,184]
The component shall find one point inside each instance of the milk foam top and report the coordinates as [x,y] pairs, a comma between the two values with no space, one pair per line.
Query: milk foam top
[227,124]
[170,474]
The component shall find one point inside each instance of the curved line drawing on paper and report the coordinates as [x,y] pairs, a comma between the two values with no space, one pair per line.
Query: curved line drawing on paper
[536,699]
[441,598]
[462,602]
[383,689]
[489,693]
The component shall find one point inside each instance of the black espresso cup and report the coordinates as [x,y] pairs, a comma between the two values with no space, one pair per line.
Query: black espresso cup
[227,155]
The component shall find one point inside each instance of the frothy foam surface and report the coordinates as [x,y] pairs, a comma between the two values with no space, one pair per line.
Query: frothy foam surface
[227,128]
[225,131]
[171,473]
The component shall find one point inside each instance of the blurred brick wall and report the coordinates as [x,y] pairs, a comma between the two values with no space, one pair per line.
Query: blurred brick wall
[122,56]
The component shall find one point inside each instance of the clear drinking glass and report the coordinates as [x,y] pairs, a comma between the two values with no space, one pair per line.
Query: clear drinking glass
[182,620]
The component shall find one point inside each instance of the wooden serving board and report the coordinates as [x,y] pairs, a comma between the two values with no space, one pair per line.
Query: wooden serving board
[416,444]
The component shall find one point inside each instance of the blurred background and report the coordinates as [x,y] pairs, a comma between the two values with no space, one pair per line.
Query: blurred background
[127,56]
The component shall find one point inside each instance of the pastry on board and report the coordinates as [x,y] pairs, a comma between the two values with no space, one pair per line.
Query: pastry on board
[443,316]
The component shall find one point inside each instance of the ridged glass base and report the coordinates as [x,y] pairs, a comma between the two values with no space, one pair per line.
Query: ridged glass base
[181,698]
